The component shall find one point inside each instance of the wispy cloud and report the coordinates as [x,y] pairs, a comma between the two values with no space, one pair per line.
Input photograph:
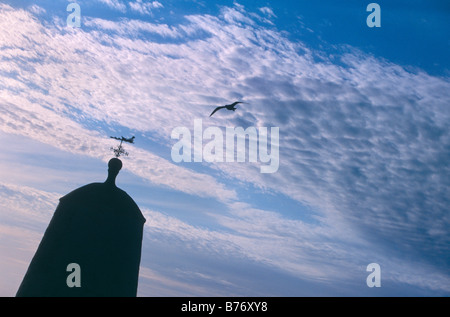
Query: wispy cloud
[115,5]
[139,6]
[289,245]
[134,27]
[364,142]
[268,12]
[41,113]
[24,214]
[145,8]
[247,235]
[37,9]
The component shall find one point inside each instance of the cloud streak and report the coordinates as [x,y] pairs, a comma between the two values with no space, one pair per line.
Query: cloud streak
[363,142]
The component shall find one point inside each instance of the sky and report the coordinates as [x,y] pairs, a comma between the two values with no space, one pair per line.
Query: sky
[363,149]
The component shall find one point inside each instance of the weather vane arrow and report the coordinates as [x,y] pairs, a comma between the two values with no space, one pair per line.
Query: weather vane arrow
[120,150]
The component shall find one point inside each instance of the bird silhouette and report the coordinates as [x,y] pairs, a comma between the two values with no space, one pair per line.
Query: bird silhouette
[228,107]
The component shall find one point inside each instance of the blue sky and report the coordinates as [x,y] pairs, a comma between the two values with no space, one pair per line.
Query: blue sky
[363,149]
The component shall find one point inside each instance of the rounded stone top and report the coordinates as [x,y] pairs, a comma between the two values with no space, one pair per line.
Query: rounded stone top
[115,164]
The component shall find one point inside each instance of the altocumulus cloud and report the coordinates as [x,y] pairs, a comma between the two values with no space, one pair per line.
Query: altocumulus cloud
[363,142]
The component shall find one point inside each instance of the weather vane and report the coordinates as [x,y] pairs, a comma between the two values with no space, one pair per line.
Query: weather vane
[120,150]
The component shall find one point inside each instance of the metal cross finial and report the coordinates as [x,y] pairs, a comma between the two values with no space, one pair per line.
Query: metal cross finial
[120,150]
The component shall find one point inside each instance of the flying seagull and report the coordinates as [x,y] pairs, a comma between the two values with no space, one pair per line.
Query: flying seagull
[228,107]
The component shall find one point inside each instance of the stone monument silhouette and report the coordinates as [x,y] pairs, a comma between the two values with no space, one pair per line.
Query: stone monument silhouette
[97,227]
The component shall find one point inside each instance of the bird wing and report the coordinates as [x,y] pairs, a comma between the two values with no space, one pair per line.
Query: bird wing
[215,110]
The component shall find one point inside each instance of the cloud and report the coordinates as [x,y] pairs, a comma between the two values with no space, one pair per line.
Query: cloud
[26,205]
[25,212]
[115,5]
[153,283]
[47,127]
[134,27]
[42,112]
[260,236]
[268,11]
[139,6]
[145,8]
[37,9]
[363,142]
[289,245]
[246,237]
